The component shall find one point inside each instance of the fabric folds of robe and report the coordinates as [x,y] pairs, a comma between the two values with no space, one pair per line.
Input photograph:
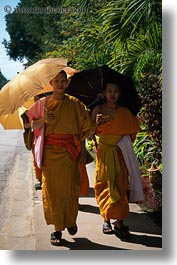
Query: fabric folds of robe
[35,112]
[134,176]
[73,146]
[124,123]
[61,175]
[84,180]
[108,209]
[108,164]
[68,141]
[37,170]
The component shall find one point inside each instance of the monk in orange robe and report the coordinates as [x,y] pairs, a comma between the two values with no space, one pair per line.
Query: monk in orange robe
[111,177]
[66,124]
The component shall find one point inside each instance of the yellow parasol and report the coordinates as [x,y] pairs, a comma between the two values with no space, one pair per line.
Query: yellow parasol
[13,121]
[43,92]
[30,82]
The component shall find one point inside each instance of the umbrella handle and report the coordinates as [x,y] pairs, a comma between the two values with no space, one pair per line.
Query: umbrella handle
[101,73]
[98,99]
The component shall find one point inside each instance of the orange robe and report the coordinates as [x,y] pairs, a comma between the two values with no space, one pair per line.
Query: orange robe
[37,170]
[111,177]
[84,180]
[60,166]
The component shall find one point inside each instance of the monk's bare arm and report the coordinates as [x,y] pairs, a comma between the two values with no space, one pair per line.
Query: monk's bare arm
[48,116]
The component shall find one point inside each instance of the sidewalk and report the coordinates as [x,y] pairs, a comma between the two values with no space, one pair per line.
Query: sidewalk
[23,226]
[145,234]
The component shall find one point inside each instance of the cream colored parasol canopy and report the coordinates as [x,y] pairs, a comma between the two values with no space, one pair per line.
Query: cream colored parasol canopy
[29,82]
[13,121]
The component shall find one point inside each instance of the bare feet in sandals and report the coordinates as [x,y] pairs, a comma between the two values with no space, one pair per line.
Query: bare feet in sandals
[55,238]
[72,230]
[107,229]
[121,230]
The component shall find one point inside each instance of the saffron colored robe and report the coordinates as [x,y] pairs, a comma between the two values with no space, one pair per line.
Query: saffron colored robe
[60,165]
[37,170]
[111,175]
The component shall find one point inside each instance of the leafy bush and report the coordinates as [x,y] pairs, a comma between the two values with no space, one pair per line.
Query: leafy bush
[151,113]
[148,144]
[144,147]
[91,148]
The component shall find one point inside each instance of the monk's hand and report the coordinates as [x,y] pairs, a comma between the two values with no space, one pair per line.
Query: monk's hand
[99,119]
[49,115]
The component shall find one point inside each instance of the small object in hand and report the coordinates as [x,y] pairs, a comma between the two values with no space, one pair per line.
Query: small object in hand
[99,118]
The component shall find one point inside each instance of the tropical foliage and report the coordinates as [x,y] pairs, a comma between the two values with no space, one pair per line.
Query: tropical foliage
[32,33]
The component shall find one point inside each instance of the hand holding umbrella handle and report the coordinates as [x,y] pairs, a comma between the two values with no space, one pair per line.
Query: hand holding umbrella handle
[37,124]
[49,116]
[99,119]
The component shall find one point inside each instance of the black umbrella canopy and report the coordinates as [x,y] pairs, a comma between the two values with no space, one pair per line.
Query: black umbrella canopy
[87,86]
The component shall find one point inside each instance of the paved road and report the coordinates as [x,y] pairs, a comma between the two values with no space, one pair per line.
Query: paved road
[11,143]
[16,201]
[23,227]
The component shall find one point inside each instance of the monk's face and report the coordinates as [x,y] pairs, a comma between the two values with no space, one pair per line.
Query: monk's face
[59,83]
[112,92]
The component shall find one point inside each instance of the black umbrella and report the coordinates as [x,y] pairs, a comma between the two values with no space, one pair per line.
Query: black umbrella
[87,87]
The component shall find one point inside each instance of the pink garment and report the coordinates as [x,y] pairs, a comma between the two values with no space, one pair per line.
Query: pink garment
[36,111]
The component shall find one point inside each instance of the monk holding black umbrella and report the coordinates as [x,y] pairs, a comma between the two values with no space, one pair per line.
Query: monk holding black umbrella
[113,189]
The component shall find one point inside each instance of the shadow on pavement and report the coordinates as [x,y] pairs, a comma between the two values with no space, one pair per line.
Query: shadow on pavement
[149,241]
[137,222]
[89,208]
[85,244]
